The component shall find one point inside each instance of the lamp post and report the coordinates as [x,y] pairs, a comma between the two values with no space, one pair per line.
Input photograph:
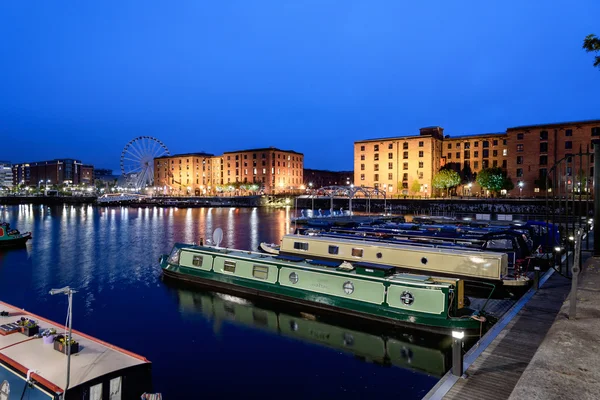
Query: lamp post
[520,189]
[69,292]
[312,197]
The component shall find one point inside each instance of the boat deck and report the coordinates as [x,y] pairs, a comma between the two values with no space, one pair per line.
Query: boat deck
[94,359]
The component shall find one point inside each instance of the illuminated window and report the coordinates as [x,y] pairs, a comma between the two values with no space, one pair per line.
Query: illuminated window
[197,261]
[357,252]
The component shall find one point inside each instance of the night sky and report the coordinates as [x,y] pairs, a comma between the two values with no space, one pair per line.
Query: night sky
[81,80]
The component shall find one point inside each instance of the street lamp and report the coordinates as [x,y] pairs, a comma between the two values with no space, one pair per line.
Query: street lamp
[520,189]
[312,197]
[69,292]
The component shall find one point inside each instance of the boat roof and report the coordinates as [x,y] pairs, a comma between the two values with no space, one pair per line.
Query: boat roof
[94,359]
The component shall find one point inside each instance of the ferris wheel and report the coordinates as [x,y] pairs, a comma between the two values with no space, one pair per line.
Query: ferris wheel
[137,160]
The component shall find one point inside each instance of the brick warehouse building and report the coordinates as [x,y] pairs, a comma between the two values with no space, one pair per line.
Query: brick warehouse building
[53,172]
[272,170]
[399,165]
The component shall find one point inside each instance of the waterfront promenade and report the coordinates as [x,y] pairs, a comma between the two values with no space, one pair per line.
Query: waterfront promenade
[540,353]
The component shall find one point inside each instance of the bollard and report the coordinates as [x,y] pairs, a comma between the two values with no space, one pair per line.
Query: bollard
[536,278]
[574,276]
[457,355]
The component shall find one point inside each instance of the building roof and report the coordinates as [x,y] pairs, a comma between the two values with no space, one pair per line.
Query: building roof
[262,149]
[186,155]
[94,359]
[476,135]
[393,138]
[555,124]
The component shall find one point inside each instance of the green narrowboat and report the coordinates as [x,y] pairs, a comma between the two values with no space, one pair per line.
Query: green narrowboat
[11,237]
[374,292]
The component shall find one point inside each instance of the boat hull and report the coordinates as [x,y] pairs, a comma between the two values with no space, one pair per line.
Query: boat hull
[17,242]
[317,301]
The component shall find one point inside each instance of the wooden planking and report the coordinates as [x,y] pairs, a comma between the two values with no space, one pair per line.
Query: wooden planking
[494,374]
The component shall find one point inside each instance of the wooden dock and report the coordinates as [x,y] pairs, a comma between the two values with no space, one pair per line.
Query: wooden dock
[494,374]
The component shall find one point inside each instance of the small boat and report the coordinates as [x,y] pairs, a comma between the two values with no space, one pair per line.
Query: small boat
[377,293]
[33,362]
[269,248]
[12,237]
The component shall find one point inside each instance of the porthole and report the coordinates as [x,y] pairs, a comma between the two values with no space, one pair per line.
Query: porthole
[424,260]
[379,255]
[294,277]
[348,287]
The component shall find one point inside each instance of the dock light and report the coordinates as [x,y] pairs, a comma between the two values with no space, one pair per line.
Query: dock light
[571,238]
[557,249]
[458,334]
[69,292]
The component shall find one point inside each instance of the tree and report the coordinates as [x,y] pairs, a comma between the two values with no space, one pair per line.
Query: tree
[494,180]
[446,179]
[591,43]
[415,187]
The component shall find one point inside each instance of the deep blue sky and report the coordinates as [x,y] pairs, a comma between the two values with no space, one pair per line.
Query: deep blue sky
[81,80]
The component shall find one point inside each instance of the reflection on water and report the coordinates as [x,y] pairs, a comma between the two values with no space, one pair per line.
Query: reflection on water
[413,349]
[110,256]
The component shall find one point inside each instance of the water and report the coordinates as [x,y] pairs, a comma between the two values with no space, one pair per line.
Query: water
[202,344]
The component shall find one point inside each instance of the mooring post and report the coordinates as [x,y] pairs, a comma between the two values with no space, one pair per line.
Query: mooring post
[596,144]
[457,354]
[574,275]
[536,277]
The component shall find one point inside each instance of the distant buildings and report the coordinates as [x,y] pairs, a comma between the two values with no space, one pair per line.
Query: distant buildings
[53,172]
[268,170]
[317,178]
[6,175]
[406,165]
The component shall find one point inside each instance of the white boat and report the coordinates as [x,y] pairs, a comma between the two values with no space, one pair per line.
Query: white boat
[269,248]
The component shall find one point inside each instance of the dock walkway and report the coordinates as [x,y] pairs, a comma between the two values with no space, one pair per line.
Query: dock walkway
[495,372]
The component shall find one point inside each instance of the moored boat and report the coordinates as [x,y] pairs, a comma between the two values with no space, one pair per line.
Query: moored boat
[372,292]
[11,237]
[33,362]
[269,248]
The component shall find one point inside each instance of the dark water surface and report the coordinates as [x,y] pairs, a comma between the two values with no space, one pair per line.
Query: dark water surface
[202,344]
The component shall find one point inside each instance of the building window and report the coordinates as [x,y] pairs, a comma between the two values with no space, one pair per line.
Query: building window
[486,153]
[390,176]
[376,156]
[390,165]
[467,154]
[519,136]
[421,153]
[486,144]
[362,177]
[519,172]
[229,266]
[544,147]
[376,147]
[449,156]
[519,160]
[421,144]
[495,153]
[476,144]
[405,146]
[260,271]
[357,252]
[504,164]
[504,152]
[390,156]
[301,246]
[475,164]
[596,131]
[96,392]
[405,177]
[362,167]
[333,250]
[376,167]
[458,145]
[544,135]
[458,154]
[568,144]
[362,157]
[503,142]
[519,147]
[362,148]
[475,154]
[495,142]
[449,146]
[420,175]
[467,145]
[197,261]
[569,132]
[494,163]
[405,166]
[420,164]
[405,155]
[543,160]
[115,389]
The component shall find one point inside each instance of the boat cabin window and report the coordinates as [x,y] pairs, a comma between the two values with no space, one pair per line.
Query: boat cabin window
[260,271]
[300,246]
[115,389]
[174,256]
[229,266]
[500,244]
[197,261]
[357,252]
[96,392]
[333,249]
